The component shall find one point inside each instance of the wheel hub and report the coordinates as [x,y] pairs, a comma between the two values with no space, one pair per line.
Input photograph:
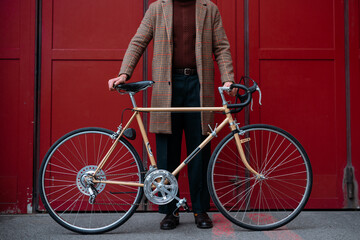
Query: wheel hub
[260,177]
[84,179]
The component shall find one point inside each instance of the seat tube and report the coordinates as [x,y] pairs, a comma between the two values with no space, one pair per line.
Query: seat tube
[143,131]
[145,139]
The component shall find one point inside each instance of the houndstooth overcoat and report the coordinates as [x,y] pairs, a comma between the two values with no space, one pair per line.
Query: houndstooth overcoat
[211,40]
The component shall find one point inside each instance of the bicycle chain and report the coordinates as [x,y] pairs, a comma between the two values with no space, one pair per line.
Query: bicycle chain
[122,204]
[119,174]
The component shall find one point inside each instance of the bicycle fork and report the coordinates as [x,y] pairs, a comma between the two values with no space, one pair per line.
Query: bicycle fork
[239,143]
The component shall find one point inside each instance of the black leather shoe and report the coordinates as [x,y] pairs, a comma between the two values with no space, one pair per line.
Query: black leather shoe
[169,222]
[202,220]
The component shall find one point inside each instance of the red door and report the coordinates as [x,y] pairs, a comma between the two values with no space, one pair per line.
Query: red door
[83,44]
[297,55]
[17,43]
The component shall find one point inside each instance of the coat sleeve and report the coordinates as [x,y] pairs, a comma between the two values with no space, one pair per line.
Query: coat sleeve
[138,44]
[221,49]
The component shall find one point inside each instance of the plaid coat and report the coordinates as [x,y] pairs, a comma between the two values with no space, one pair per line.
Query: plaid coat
[211,39]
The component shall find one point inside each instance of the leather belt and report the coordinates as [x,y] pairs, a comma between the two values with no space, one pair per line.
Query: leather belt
[185,71]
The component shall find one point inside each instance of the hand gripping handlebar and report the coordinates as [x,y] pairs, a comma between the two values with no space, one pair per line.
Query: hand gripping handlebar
[245,98]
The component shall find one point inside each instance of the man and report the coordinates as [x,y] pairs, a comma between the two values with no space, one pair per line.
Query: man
[186,34]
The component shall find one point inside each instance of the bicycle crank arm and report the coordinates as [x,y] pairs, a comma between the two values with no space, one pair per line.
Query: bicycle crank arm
[180,203]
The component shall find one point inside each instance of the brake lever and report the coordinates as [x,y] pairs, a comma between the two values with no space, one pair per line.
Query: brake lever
[260,96]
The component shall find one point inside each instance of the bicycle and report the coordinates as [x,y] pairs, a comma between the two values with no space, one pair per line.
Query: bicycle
[92,179]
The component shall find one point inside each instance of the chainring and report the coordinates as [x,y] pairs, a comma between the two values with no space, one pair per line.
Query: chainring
[160,187]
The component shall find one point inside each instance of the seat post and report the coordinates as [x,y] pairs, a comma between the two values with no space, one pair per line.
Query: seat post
[132,99]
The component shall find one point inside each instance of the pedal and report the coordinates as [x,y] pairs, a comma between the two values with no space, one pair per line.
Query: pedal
[186,207]
[183,203]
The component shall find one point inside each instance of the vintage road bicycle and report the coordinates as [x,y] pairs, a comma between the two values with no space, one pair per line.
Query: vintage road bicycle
[92,179]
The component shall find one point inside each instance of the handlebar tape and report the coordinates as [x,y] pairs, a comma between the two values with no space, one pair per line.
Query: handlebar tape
[247,96]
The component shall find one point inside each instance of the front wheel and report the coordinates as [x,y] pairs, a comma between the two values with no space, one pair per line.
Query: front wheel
[64,189]
[269,201]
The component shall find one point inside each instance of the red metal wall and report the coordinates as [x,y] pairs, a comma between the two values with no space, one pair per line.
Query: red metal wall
[297,54]
[17,43]
[82,47]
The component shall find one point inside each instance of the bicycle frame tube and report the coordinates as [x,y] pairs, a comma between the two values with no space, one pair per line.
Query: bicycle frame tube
[175,109]
[103,161]
[228,120]
[201,146]
[182,109]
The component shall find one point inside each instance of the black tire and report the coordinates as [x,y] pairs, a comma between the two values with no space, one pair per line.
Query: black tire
[260,203]
[67,199]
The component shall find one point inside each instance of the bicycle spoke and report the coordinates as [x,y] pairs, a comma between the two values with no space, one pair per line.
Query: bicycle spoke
[62,189]
[76,156]
[67,169]
[271,199]
[65,190]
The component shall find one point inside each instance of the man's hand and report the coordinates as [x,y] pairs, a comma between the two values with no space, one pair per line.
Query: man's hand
[116,81]
[233,91]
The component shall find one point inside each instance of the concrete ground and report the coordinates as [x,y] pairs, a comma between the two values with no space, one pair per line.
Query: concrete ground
[310,225]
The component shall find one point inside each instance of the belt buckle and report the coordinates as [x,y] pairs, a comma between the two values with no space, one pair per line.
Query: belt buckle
[187,71]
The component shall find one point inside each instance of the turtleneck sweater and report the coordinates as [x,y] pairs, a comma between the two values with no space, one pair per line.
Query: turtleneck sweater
[184,34]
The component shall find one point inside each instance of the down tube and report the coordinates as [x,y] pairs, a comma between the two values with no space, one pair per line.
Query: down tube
[201,146]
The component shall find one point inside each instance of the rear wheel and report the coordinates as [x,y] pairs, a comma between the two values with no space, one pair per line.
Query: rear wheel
[269,201]
[64,186]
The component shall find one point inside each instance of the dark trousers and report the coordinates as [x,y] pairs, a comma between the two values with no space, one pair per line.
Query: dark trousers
[185,93]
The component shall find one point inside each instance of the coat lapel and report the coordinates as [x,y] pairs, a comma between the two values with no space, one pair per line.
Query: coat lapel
[167,6]
[200,17]
[201,8]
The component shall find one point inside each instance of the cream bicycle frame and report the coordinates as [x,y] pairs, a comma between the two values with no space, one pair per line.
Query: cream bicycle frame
[228,120]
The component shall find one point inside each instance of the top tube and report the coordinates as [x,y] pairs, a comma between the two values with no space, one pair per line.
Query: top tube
[245,99]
